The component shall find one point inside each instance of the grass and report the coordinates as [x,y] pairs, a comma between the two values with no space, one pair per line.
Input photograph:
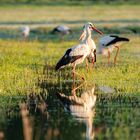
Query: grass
[28,67]
[23,63]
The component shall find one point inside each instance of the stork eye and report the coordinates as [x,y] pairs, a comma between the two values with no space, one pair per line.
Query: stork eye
[90,26]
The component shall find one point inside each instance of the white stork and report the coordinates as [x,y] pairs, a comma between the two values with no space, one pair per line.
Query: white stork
[62,29]
[92,56]
[77,54]
[25,32]
[81,108]
[108,43]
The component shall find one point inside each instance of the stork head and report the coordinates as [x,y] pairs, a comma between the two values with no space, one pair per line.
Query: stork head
[25,29]
[89,27]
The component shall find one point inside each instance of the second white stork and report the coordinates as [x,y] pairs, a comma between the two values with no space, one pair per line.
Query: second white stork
[78,53]
[91,58]
[25,32]
[62,29]
[108,43]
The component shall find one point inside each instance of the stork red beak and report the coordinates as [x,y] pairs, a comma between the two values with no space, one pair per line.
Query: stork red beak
[94,28]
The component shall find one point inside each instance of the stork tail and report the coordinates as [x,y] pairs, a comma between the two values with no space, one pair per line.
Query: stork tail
[123,39]
[66,60]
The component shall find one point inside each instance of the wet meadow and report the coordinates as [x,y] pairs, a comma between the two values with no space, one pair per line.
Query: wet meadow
[29,108]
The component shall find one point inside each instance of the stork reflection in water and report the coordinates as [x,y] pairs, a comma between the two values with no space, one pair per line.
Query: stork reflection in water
[81,108]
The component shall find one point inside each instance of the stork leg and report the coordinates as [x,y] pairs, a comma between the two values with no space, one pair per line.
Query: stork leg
[115,58]
[94,59]
[108,56]
[25,38]
[75,88]
[82,77]
[87,65]
[73,74]
[92,63]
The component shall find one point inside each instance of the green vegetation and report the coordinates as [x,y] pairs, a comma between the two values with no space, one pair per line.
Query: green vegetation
[27,68]
[22,63]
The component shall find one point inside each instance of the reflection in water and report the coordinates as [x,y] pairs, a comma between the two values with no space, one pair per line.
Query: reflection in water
[1,135]
[81,108]
[117,117]
[27,128]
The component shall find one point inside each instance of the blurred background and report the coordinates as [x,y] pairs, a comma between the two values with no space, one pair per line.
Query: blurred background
[111,16]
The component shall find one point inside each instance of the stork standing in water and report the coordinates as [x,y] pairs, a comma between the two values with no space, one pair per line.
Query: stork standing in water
[25,32]
[77,54]
[108,43]
[81,108]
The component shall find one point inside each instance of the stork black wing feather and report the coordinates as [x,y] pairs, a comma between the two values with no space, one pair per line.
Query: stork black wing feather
[67,59]
[116,39]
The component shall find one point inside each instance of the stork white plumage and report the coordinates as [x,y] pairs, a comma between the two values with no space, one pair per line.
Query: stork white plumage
[108,43]
[77,54]
[25,32]
[91,58]
[81,108]
[62,29]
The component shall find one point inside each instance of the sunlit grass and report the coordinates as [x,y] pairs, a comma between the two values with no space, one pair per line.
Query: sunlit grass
[28,68]
[22,65]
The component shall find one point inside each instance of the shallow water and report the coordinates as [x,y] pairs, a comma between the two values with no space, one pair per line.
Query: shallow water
[115,118]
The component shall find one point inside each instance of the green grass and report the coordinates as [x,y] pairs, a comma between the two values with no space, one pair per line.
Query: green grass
[28,67]
[23,63]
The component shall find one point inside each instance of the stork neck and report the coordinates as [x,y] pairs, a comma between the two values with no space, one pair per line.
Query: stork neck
[87,35]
